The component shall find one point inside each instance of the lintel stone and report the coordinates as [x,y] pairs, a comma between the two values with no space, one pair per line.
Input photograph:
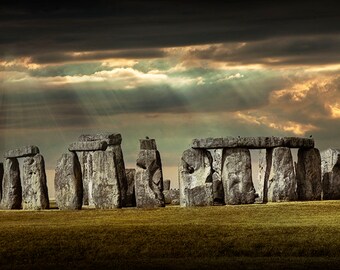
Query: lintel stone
[88,146]
[26,151]
[109,138]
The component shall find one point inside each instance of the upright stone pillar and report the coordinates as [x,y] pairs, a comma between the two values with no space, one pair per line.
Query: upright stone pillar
[11,185]
[130,193]
[265,162]
[34,193]
[149,176]
[308,175]
[330,170]
[218,190]
[67,182]
[106,190]
[86,165]
[237,176]
[195,178]
[1,176]
[282,182]
[166,191]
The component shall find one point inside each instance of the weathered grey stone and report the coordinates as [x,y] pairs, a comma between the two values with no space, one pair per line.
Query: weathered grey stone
[68,183]
[253,142]
[106,190]
[86,165]
[34,190]
[282,181]
[265,163]
[88,146]
[120,169]
[330,170]
[148,144]
[149,180]
[1,176]
[109,138]
[11,185]
[166,191]
[308,175]
[130,193]
[25,151]
[218,190]
[237,176]
[195,178]
[174,194]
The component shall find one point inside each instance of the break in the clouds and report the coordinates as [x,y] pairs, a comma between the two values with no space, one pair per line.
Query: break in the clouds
[173,70]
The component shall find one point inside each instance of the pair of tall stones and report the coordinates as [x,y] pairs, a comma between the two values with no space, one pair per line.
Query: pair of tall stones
[92,173]
[217,171]
[32,194]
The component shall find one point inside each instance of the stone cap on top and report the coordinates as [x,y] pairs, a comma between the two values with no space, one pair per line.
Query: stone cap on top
[109,138]
[253,142]
[148,144]
[26,151]
[88,146]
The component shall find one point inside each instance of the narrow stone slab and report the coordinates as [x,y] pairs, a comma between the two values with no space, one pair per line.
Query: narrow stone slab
[330,170]
[174,194]
[130,192]
[34,190]
[11,185]
[218,191]
[25,151]
[308,175]
[148,144]
[109,138]
[88,146]
[253,142]
[1,176]
[166,191]
[265,163]
[86,165]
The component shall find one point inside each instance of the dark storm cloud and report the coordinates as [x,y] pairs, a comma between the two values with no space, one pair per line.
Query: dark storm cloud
[35,28]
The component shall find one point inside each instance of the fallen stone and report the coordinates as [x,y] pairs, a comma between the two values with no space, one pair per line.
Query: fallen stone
[148,144]
[218,190]
[149,180]
[253,142]
[195,178]
[330,170]
[308,175]
[237,176]
[68,183]
[1,176]
[11,185]
[109,138]
[282,182]
[106,191]
[174,194]
[88,146]
[34,190]
[130,193]
[265,163]
[25,151]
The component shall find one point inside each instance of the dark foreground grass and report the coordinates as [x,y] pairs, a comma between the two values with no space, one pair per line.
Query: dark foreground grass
[301,235]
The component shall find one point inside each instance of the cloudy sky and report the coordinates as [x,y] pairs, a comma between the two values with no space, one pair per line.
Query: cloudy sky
[170,70]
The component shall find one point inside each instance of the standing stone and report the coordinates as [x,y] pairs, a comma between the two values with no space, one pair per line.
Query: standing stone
[330,168]
[106,191]
[237,176]
[1,176]
[86,165]
[11,185]
[174,194]
[195,178]
[308,175]
[282,182]
[217,176]
[130,193]
[265,162]
[149,178]
[34,191]
[67,183]
[166,191]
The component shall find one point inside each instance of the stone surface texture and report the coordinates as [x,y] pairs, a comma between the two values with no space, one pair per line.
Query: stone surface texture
[34,189]
[11,185]
[308,175]
[166,191]
[174,194]
[86,165]
[330,170]
[218,190]
[1,177]
[25,151]
[149,180]
[68,183]
[237,176]
[253,142]
[282,182]
[195,178]
[109,138]
[130,193]
[148,144]
[265,162]
[88,146]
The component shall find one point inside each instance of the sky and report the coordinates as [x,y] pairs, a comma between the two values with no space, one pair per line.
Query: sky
[170,70]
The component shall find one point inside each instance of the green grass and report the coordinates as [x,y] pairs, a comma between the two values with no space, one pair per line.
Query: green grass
[299,235]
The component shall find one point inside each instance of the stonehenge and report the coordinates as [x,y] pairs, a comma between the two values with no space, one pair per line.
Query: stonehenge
[32,193]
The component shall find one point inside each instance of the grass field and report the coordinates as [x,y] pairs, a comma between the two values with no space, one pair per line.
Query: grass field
[299,235]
